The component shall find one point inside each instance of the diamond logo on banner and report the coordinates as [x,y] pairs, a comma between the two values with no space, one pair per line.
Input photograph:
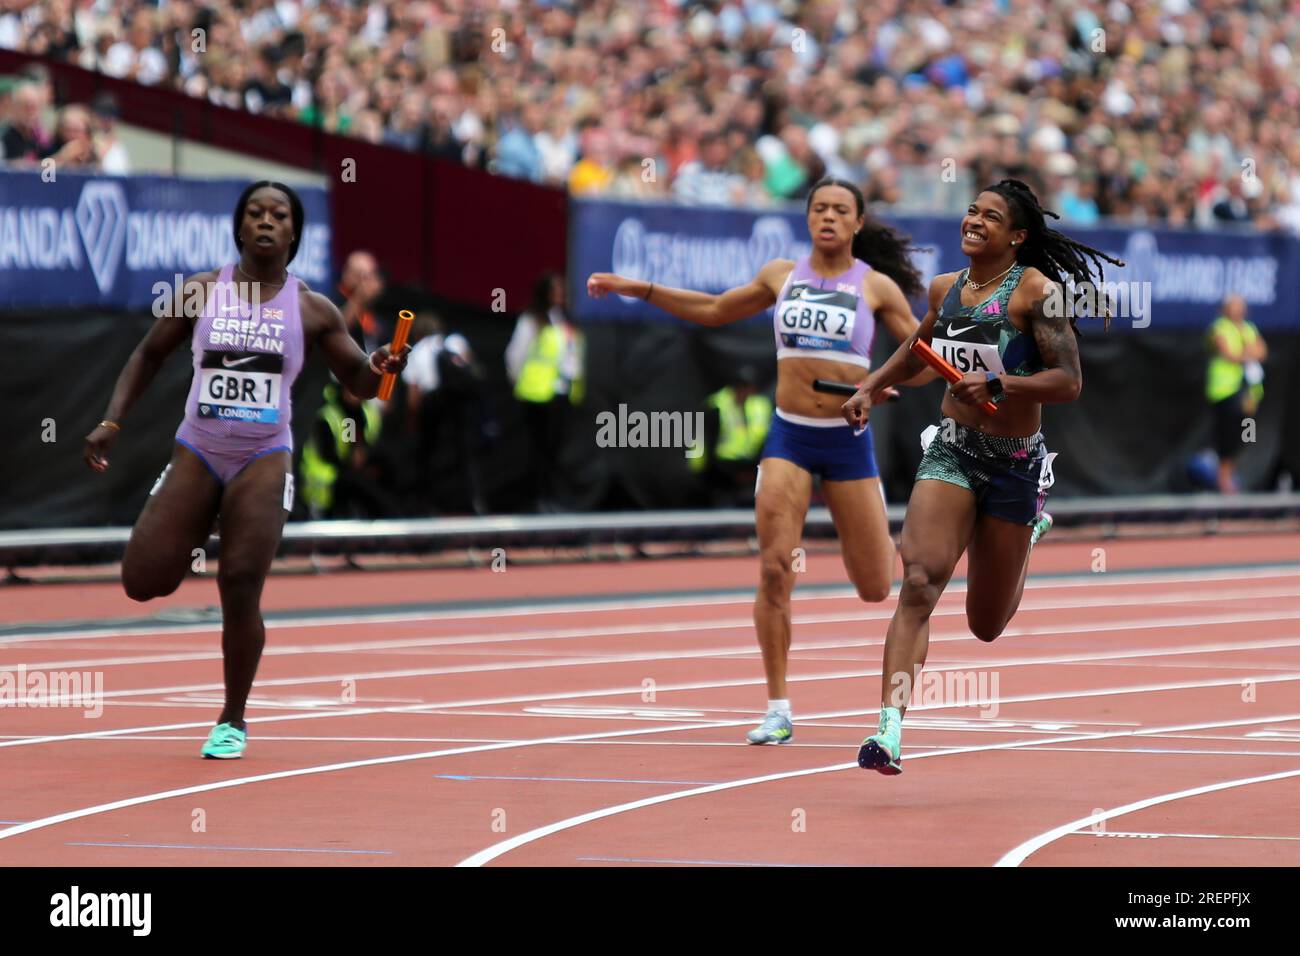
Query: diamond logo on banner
[101,219]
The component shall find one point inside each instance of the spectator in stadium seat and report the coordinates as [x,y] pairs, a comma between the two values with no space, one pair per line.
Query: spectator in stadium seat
[636,180]
[409,130]
[709,180]
[752,172]
[558,146]
[56,37]
[74,144]
[1231,205]
[369,126]
[517,153]
[264,93]
[136,58]
[593,173]
[797,167]
[25,141]
[328,110]
[113,156]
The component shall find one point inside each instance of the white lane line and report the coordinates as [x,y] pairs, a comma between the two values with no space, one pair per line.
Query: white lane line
[721,597]
[573,738]
[1155,751]
[513,843]
[1184,836]
[614,631]
[57,818]
[635,690]
[1132,624]
[1019,854]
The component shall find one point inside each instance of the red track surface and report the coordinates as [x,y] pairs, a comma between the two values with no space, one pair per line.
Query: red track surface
[1112,688]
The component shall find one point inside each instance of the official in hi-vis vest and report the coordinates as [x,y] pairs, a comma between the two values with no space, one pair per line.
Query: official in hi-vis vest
[737,420]
[1234,383]
[335,458]
[545,361]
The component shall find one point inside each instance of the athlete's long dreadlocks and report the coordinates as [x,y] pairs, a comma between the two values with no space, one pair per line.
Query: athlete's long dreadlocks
[1052,253]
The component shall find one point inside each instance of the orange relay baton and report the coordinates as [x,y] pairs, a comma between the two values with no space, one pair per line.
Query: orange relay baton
[389,379]
[943,367]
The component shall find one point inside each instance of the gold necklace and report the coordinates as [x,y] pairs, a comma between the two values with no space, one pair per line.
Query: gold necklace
[976,286]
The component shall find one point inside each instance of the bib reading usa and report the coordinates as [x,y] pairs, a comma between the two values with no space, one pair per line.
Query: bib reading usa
[970,356]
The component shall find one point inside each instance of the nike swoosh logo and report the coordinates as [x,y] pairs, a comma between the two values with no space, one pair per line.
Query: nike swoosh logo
[230,308]
[819,296]
[952,331]
[225,360]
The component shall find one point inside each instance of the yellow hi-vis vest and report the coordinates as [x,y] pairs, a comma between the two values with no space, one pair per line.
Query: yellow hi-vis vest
[318,474]
[1224,377]
[543,369]
[741,430]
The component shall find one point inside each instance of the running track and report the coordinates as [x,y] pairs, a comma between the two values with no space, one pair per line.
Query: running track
[594,714]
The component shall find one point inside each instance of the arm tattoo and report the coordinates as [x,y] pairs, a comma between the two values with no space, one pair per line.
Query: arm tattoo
[1055,339]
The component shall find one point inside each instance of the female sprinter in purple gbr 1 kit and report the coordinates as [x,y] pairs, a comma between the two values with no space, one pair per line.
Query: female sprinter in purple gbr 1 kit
[828,306]
[233,450]
[983,479]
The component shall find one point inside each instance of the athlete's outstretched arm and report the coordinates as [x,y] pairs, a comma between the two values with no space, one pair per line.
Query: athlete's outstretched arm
[175,324]
[1061,379]
[702,308]
[350,365]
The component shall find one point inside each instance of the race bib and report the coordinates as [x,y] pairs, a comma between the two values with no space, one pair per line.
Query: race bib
[817,319]
[1045,476]
[240,386]
[970,356]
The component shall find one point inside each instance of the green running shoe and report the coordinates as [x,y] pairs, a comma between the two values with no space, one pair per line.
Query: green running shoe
[775,729]
[225,743]
[882,751]
[1042,524]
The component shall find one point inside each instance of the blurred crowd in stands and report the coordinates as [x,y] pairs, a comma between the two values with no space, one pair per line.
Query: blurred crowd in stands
[82,137]
[1154,111]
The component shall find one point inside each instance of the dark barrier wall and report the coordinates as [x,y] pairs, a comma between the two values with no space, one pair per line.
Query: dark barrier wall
[1141,416]
[1142,413]
[460,232]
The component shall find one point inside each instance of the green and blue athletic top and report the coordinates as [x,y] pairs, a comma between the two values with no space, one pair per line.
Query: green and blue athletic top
[981,338]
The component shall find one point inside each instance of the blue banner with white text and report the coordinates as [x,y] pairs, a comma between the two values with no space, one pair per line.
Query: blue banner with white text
[1173,279]
[110,241]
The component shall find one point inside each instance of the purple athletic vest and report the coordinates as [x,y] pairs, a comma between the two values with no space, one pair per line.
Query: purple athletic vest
[245,364]
[824,318]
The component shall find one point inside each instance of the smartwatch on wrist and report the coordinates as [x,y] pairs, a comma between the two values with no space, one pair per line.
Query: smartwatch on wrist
[995,387]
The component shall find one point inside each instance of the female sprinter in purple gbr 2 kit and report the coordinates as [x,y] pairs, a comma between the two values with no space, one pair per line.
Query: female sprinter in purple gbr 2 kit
[827,308]
[232,452]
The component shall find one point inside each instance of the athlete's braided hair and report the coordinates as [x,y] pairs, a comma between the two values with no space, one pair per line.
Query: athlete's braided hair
[878,245]
[1052,253]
